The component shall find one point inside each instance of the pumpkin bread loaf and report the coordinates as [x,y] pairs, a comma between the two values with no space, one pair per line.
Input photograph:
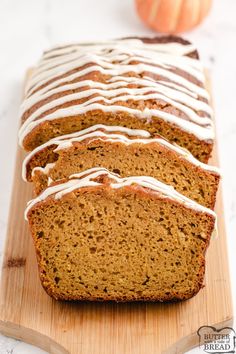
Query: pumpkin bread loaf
[102,237]
[125,151]
[153,84]
[119,133]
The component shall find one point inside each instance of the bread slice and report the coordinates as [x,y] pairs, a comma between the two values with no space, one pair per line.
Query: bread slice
[100,237]
[125,151]
[154,84]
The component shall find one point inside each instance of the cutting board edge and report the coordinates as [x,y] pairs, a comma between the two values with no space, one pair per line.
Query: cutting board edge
[31,336]
[46,343]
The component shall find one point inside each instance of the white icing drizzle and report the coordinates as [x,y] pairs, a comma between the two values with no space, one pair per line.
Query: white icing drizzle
[45,170]
[47,72]
[107,69]
[50,181]
[169,47]
[114,58]
[130,48]
[102,132]
[85,179]
[204,133]
[189,112]
[157,91]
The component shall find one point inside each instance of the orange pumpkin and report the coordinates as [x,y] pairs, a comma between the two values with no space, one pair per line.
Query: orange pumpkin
[172,16]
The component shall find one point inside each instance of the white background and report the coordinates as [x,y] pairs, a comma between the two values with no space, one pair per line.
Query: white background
[27,27]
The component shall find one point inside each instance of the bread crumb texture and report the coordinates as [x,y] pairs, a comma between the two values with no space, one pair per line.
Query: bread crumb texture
[119,244]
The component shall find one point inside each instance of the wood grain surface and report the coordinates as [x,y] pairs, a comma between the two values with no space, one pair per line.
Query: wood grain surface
[28,313]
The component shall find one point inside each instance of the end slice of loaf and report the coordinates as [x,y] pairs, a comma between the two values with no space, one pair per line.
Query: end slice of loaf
[125,151]
[101,237]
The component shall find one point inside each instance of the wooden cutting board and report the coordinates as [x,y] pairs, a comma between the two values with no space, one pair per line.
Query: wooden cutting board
[28,313]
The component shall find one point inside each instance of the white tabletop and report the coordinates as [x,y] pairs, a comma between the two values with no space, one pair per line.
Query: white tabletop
[27,27]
